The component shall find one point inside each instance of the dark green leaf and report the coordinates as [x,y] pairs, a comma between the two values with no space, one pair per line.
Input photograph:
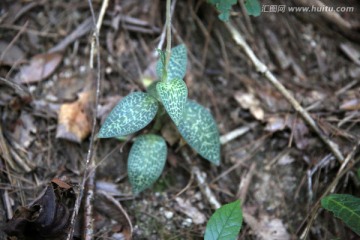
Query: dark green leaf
[146,161]
[225,223]
[253,7]
[224,7]
[200,131]
[346,207]
[173,95]
[358,173]
[177,64]
[131,114]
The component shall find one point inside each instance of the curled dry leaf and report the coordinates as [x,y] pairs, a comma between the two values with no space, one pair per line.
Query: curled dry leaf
[40,67]
[249,101]
[48,217]
[74,119]
[108,206]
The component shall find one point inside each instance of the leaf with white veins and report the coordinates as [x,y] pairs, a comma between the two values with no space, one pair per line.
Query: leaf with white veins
[131,114]
[146,161]
[173,96]
[200,131]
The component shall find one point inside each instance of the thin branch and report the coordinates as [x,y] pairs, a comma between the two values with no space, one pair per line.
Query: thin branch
[236,133]
[21,31]
[260,67]
[89,162]
[23,92]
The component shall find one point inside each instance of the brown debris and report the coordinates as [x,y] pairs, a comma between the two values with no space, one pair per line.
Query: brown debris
[45,218]
[250,101]
[74,119]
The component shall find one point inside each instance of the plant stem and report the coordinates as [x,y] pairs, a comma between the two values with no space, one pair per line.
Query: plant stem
[158,121]
[168,33]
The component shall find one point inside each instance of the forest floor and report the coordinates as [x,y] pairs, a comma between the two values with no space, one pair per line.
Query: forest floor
[278,165]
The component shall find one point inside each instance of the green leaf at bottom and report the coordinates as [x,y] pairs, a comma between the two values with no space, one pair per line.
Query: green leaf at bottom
[346,207]
[200,131]
[225,223]
[146,161]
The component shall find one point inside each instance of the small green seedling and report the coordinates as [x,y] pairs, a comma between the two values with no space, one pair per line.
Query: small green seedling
[346,207]
[167,95]
[253,7]
[225,223]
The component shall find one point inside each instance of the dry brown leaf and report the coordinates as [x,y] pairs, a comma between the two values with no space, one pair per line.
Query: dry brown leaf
[295,124]
[10,54]
[351,105]
[74,119]
[249,101]
[267,228]
[275,123]
[40,67]
[189,210]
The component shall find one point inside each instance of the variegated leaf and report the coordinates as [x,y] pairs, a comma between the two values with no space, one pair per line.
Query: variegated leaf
[177,64]
[146,161]
[131,114]
[200,131]
[173,95]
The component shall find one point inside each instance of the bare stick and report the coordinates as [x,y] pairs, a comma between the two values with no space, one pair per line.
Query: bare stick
[21,31]
[89,163]
[260,67]
[17,87]
[236,133]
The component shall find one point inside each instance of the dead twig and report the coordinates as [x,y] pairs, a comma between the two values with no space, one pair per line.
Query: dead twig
[21,31]
[245,183]
[80,31]
[261,67]
[23,92]
[236,133]
[89,172]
